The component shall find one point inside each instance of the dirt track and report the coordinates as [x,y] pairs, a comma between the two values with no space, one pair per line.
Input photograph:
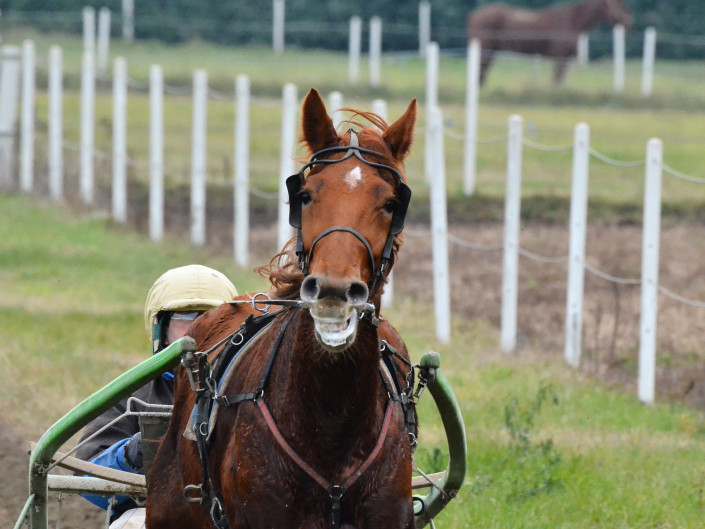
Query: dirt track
[611,318]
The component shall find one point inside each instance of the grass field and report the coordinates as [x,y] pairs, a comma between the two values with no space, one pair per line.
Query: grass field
[548,446]
[620,125]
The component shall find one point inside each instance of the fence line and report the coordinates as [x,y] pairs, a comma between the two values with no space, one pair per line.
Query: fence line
[512,250]
[683,176]
[546,148]
[610,278]
[681,299]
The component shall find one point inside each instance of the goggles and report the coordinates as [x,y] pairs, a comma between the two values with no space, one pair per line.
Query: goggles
[185,316]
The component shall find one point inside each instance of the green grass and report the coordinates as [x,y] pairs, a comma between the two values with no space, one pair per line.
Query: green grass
[620,125]
[71,305]
[614,191]
[582,457]
[71,290]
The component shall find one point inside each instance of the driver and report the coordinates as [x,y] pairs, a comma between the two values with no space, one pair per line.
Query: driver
[175,300]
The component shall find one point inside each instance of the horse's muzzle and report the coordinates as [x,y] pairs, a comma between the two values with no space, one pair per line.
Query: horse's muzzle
[334,309]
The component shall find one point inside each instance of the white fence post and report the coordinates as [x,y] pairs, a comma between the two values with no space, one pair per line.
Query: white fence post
[432,74]
[431,101]
[56,124]
[439,228]
[649,271]
[128,20]
[335,103]
[242,171]
[647,69]
[379,107]
[512,223]
[278,26]
[198,158]
[156,153]
[10,92]
[424,26]
[27,124]
[286,166]
[87,125]
[618,52]
[576,253]
[120,140]
[583,49]
[375,50]
[354,48]
[471,111]
[88,29]
[103,40]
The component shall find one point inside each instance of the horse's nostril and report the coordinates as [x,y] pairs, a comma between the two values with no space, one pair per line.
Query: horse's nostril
[310,289]
[357,293]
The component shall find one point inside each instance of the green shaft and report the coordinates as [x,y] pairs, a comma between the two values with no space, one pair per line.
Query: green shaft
[102,400]
[454,427]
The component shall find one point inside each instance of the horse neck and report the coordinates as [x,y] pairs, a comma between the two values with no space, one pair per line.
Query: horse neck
[586,15]
[338,389]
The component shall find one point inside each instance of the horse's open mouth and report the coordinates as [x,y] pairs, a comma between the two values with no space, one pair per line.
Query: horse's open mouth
[335,334]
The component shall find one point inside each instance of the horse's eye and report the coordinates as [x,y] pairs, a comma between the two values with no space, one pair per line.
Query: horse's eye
[390,206]
[305,197]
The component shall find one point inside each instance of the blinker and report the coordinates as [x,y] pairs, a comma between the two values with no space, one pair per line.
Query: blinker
[294,182]
[293,186]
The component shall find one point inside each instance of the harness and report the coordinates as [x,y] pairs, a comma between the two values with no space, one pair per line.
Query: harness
[205,378]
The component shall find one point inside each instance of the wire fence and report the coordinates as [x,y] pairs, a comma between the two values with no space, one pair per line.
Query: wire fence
[449,132]
[183,176]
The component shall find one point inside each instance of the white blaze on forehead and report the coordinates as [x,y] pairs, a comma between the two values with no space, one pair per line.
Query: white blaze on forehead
[354,177]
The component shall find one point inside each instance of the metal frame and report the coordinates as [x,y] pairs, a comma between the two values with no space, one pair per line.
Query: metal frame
[45,456]
[35,509]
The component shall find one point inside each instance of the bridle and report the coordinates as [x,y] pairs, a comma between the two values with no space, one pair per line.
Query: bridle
[295,182]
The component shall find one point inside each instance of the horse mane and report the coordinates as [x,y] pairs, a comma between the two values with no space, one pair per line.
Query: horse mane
[282,272]
[587,14]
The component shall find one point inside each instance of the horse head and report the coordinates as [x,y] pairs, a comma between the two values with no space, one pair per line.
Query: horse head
[617,13]
[348,205]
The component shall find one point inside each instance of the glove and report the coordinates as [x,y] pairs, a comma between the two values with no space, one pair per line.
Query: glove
[133,452]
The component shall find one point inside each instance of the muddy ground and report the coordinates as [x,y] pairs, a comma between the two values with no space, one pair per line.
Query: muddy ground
[611,317]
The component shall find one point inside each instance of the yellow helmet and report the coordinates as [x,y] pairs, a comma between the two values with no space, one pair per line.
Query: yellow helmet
[185,289]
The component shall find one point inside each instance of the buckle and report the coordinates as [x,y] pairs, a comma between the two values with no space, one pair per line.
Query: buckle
[193,493]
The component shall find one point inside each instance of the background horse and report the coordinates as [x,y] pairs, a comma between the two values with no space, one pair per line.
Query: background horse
[322,444]
[552,31]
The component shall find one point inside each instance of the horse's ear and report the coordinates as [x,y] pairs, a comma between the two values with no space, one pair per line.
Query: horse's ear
[400,134]
[318,130]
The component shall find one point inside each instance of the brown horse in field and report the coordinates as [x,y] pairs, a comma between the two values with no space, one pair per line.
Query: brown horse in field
[552,31]
[308,434]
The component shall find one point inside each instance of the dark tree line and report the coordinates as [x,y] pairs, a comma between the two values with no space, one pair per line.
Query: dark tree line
[324,24]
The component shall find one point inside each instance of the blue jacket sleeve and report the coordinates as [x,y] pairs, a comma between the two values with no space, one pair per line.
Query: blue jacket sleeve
[112,457]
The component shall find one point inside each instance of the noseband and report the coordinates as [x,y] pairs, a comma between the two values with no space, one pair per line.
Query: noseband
[295,182]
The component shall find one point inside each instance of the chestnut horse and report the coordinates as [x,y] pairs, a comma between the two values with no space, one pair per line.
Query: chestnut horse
[552,31]
[314,438]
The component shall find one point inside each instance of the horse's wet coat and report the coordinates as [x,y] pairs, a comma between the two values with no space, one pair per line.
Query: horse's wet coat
[327,401]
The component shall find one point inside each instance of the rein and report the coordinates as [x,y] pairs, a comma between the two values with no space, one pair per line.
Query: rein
[204,380]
